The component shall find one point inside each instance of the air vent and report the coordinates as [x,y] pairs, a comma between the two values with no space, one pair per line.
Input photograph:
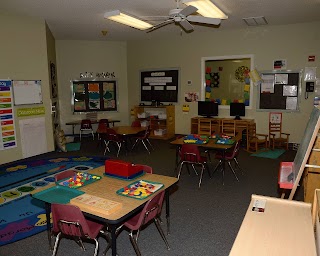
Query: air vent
[255,21]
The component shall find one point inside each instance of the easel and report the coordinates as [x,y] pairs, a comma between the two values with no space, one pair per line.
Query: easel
[290,172]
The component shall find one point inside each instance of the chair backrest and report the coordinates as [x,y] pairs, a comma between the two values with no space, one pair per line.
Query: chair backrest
[111,134]
[190,153]
[86,124]
[69,220]
[275,122]
[151,210]
[103,125]
[64,175]
[145,168]
[136,123]
[228,127]
[235,151]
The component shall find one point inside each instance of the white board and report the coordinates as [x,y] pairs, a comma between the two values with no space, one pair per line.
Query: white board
[27,92]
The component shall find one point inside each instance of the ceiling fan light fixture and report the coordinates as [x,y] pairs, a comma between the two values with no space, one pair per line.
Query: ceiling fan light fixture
[206,8]
[127,20]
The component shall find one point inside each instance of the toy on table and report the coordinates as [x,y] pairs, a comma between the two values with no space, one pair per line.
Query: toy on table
[196,139]
[79,180]
[122,170]
[140,189]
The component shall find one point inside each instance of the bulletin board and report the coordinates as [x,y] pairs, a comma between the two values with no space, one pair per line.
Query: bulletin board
[27,92]
[159,85]
[93,96]
[279,90]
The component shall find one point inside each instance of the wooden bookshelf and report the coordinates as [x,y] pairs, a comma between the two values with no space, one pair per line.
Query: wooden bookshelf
[160,117]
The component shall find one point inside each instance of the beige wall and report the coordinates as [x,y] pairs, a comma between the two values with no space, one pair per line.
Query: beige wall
[23,52]
[75,57]
[293,43]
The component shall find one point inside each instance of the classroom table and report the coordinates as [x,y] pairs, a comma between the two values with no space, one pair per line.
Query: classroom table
[106,188]
[274,226]
[78,122]
[211,145]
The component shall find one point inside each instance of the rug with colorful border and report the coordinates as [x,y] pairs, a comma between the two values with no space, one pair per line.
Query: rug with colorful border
[20,215]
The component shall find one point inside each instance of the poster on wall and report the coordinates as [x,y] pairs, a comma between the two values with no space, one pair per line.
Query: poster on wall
[7,124]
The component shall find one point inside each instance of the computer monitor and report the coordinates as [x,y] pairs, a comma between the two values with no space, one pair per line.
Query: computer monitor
[208,108]
[237,109]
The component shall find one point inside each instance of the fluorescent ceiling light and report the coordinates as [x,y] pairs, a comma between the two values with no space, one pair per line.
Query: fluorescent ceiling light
[206,8]
[127,20]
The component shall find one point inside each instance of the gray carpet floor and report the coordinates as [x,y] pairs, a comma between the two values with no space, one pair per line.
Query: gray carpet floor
[204,221]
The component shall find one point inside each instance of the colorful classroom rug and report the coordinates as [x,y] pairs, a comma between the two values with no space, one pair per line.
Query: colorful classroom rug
[273,154]
[21,215]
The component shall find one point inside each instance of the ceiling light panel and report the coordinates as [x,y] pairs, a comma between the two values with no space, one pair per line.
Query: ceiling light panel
[127,20]
[206,8]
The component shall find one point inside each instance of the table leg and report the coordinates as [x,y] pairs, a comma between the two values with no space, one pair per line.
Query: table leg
[48,210]
[73,129]
[113,240]
[223,165]
[167,211]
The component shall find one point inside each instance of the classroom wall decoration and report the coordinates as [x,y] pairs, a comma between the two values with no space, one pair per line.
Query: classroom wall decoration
[159,85]
[279,90]
[27,92]
[7,124]
[94,96]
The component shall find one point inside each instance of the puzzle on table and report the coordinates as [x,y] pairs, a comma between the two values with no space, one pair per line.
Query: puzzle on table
[140,189]
[79,180]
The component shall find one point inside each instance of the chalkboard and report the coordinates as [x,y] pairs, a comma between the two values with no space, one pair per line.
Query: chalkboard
[159,85]
[305,147]
[279,90]
[27,92]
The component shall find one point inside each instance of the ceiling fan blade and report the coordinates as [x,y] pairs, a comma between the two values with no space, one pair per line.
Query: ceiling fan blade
[159,25]
[186,25]
[188,10]
[206,20]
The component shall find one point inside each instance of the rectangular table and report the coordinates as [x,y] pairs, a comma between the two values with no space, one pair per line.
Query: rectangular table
[106,188]
[78,122]
[211,145]
[284,228]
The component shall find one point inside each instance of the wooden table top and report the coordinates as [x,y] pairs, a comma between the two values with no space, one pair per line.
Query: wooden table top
[78,122]
[284,228]
[107,187]
[211,144]
[128,130]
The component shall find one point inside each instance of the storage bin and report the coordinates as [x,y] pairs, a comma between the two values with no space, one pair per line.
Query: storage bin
[145,123]
[160,132]
[143,115]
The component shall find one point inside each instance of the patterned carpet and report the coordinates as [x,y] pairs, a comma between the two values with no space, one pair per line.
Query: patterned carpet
[21,215]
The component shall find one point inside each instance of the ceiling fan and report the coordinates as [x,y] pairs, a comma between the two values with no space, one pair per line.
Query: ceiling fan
[183,17]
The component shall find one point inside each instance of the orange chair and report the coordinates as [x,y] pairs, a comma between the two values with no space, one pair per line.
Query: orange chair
[86,127]
[69,221]
[190,155]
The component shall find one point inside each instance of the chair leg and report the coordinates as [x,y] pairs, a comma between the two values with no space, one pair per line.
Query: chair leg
[144,144]
[136,142]
[96,248]
[201,175]
[149,143]
[56,243]
[119,148]
[157,222]
[134,243]
[234,173]
[107,147]
[238,166]
[180,170]
[194,169]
